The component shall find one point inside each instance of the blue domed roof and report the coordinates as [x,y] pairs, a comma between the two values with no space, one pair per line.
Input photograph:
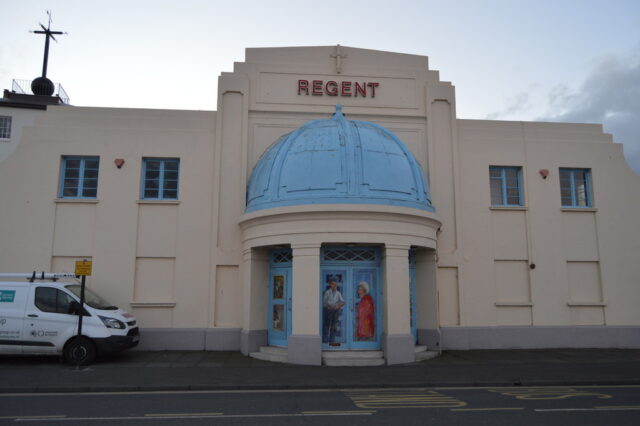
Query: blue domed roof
[335,161]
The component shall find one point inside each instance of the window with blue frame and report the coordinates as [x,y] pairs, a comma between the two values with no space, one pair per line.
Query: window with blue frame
[79,177]
[160,178]
[575,187]
[5,127]
[506,186]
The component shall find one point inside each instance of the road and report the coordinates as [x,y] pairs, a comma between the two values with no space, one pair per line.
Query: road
[583,405]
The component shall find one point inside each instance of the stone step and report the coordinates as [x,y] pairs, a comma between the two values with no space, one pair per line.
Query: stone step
[276,350]
[420,348]
[352,362]
[352,354]
[267,356]
[423,355]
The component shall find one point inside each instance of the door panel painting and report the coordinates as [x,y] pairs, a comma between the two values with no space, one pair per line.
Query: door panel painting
[350,297]
[333,303]
[365,306]
[279,314]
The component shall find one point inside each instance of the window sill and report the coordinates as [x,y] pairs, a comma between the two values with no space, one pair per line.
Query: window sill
[152,304]
[170,202]
[514,304]
[514,208]
[586,304]
[579,209]
[77,200]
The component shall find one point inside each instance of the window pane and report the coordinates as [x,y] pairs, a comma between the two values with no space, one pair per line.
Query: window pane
[63,302]
[91,164]
[152,165]
[151,184]
[46,299]
[170,184]
[150,193]
[171,166]
[72,163]
[496,192]
[513,196]
[170,194]
[70,192]
[89,192]
[153,174]
[512,177]
[90,183]
[90,173]
[171,175]
[72,173]
[494,172]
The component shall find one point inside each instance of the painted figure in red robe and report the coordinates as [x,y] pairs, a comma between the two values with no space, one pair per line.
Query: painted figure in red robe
[366,325]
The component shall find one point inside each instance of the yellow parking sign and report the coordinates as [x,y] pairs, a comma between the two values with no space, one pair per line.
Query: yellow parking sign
[83,267]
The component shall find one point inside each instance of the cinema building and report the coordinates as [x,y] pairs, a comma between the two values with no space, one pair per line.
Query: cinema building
[332,210]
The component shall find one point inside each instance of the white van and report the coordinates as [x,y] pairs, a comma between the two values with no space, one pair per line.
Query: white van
[39,315]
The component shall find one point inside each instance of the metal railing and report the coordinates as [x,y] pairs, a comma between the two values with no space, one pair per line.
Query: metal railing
[23,87]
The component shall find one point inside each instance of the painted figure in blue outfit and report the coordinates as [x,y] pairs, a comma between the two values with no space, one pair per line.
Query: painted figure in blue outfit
[333,303]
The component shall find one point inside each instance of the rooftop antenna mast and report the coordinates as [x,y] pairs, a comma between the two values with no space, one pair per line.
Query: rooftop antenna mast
[42,85]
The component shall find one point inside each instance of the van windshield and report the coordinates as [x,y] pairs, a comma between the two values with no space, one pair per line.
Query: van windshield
[90,298]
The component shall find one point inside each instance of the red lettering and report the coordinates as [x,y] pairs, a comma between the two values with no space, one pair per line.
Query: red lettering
[334,90]
[303,85]
[373,88]
[316,88]
[345,88]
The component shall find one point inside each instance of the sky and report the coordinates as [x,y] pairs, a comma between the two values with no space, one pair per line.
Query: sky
[530,60]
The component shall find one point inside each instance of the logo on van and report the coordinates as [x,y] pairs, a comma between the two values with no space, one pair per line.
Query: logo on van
[7,296]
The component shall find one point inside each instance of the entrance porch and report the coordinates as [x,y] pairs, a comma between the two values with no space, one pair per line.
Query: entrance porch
[285,304]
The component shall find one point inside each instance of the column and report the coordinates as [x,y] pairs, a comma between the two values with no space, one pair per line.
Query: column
[305,342]
[397,340]
[255,280]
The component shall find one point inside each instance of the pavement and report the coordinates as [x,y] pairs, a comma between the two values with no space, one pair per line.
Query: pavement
[195,370]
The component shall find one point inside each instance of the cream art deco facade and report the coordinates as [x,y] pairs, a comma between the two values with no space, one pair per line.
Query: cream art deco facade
[227,229]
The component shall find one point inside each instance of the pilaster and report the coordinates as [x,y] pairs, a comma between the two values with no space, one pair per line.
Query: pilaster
[397,340]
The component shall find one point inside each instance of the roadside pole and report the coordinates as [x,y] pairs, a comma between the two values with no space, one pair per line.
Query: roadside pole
[83,268]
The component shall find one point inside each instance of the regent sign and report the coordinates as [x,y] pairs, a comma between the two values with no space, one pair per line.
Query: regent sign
[334,88]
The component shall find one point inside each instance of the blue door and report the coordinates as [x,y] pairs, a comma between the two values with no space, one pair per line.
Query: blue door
[350,295]
[279,312]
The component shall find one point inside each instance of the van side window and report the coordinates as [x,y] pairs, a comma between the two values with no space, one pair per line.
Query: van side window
[52,300]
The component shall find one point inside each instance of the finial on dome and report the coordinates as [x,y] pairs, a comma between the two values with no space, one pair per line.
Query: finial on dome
[338,112]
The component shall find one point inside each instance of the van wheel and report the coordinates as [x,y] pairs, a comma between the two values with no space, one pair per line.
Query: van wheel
[79,351]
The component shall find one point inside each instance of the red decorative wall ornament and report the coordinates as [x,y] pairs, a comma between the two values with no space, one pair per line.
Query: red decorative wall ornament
[119,162]
[544,173]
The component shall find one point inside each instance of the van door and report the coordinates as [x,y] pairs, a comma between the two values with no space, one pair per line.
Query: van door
[48,323]
[12,303]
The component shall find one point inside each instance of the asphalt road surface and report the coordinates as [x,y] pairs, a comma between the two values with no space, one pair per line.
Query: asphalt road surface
[577,405]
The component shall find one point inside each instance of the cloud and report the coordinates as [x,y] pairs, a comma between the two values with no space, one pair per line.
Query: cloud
[518,103]
[609,95]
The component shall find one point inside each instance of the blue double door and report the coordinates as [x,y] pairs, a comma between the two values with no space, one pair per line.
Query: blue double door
[351,308]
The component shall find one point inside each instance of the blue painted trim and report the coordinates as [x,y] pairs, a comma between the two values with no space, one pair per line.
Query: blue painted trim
[503,183]
[572,182]
[275,337]
[349,270]
[81,177]
[161,182]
